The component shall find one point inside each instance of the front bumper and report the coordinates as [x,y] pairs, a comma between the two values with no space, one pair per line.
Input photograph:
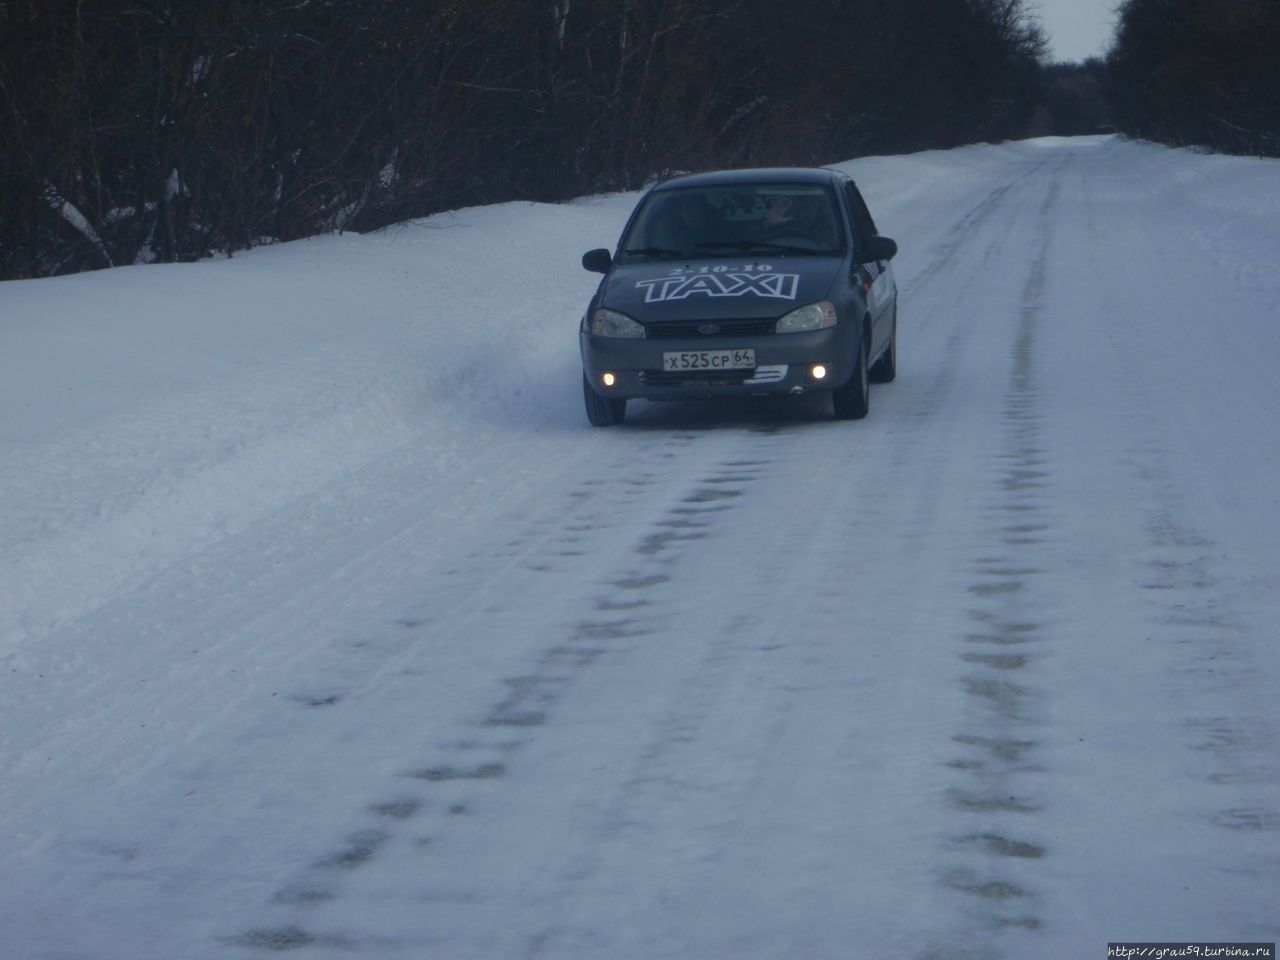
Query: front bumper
[783,365]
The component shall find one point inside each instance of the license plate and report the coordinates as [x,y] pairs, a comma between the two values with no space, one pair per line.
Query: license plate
[709,360]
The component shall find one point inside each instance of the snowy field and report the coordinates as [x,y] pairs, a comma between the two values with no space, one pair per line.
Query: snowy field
[328,626]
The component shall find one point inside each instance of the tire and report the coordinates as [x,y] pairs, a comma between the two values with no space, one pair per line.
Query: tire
[602,411]
[886,368]
[853,400]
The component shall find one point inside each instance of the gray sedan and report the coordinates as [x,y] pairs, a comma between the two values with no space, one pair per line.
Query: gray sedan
[740,283]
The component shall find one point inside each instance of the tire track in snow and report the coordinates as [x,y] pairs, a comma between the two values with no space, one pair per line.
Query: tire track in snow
[465,771]
[963,232]
[983,225]
[443,788]
[993,859]
[689,789]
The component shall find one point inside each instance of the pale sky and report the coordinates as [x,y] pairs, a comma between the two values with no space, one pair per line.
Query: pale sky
[1077,29]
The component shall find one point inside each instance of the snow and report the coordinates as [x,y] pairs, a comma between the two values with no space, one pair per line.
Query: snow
[328,626]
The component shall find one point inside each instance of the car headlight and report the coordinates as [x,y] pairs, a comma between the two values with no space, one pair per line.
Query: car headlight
[816,316]
[607,323]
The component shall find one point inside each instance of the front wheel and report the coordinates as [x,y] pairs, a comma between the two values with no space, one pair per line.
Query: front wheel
[602,411]
[853,400]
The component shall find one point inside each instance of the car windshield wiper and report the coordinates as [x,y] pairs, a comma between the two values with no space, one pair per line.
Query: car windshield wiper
[664,252]
[749,245]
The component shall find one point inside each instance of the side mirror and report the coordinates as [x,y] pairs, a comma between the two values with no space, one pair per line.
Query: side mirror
[597,261]
[878,248]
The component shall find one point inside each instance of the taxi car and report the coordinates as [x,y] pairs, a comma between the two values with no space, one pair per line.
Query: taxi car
[742,283]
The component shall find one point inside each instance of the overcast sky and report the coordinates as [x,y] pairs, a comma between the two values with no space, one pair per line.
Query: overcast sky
[1077,29]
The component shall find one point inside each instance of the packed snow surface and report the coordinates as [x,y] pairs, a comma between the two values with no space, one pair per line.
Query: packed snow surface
[327,625]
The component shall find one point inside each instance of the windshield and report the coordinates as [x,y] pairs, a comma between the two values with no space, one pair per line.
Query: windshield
[775,218]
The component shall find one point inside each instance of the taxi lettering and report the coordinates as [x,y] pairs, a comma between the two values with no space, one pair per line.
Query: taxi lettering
[777,286]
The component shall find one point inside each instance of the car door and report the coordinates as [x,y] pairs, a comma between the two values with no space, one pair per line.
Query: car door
[876,277]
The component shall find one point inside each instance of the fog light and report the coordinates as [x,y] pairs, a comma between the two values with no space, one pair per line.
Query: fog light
[818,372]
[608,379]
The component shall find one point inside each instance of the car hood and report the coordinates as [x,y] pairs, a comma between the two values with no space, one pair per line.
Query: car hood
[718,289]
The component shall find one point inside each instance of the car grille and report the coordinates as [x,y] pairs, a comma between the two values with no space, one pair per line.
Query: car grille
[688,329]
[685,378]
[689,378]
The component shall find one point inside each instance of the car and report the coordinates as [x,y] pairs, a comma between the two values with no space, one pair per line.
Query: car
[742,283]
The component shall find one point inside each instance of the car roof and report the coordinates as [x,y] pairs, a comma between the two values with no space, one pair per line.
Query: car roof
[726,178]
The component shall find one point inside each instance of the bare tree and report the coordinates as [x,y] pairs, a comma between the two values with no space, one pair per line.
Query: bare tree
[1199,72]
[139,130]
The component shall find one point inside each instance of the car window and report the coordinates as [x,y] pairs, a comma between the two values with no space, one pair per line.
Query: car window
[780,218]
[862,222]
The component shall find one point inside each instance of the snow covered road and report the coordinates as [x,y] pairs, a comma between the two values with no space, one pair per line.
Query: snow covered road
[328,626]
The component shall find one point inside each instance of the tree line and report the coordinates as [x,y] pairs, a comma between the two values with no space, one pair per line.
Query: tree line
[1202,72]
[162,130]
